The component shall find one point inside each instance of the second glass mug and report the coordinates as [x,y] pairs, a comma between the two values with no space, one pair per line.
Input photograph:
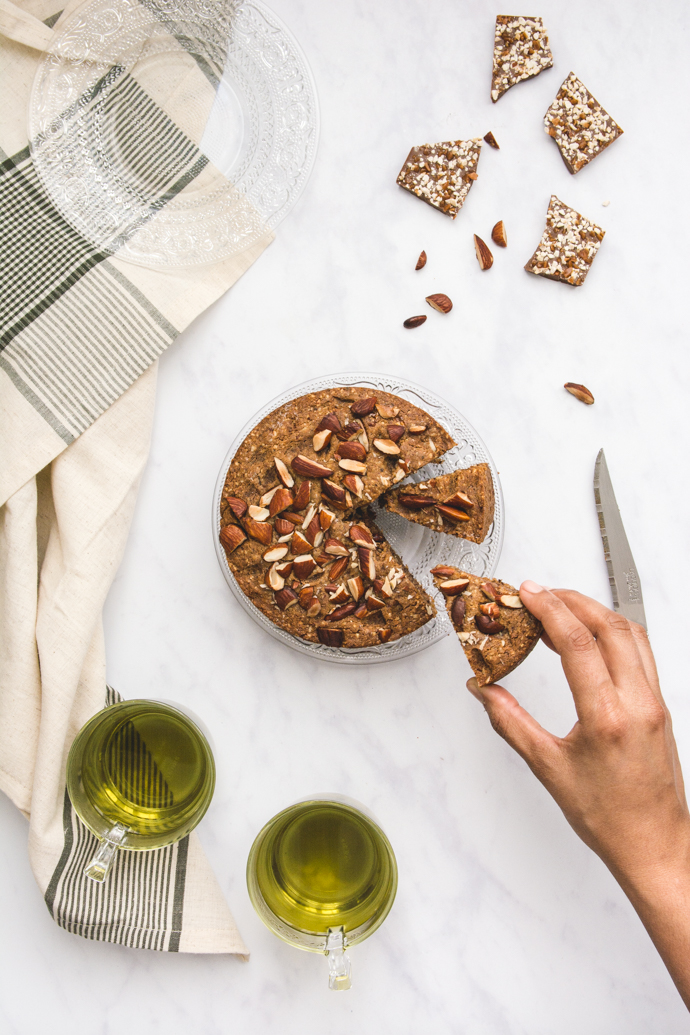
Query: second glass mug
[140,775]
[322,876]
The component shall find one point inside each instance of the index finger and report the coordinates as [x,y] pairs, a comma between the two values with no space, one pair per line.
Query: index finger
[583,664]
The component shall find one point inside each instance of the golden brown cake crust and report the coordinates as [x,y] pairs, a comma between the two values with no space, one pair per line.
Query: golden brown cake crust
[474,482]
[492,655]
[316,564]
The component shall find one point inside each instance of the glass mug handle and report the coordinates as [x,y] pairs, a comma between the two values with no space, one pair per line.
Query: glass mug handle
[339,965]
[101,863]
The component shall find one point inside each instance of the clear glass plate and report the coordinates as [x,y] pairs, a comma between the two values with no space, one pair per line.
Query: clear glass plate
[420,548]
[136,182]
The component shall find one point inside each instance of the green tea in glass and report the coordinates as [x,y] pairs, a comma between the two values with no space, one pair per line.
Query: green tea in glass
[140,775]
[322,876]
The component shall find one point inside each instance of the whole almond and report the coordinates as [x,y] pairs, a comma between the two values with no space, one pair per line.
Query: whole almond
[413,502]
[421,261]
[310,468]
[498,234]
[441,303]
[484,256]
[414,321]
[457,612]
[351,451]
[452,514]
[364,407]
[580,392]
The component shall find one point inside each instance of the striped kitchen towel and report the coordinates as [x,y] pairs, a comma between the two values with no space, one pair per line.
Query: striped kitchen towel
[78,324]
[142,903]
[80,333]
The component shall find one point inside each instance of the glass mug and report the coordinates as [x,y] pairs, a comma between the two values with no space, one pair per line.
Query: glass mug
[140,775]
[322,876]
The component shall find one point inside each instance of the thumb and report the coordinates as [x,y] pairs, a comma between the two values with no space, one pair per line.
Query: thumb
[537,746]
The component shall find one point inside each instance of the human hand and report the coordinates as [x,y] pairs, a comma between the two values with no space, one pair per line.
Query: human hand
[616,775]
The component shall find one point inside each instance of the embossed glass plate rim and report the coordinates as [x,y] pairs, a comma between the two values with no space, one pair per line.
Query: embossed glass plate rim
[434,630]
[277,218]
[270,220]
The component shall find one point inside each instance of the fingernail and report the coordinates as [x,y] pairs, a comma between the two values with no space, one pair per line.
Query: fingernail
[531,587]
[473,687]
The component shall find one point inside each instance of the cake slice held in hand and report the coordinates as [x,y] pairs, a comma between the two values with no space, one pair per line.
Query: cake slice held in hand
[521,51]
[442,174]
[495,629]
[579,125]
[460,503]
[567,247]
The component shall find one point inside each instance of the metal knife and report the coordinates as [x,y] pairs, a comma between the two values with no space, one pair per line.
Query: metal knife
[625,582]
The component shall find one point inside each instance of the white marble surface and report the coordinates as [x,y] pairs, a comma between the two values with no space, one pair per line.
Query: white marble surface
[504,922]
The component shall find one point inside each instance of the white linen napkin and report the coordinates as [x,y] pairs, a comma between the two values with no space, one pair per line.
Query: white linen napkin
[80,333]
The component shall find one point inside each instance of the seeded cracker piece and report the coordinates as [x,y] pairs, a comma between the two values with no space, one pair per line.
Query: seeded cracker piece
[466,500]
[294,519]
[442,174]
[495,630]
[521,51]
[568,245]
[579,124]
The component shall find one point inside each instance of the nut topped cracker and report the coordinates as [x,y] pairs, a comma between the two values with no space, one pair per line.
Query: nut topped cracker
[568,245]
[521,51]
[579,125]
[494,628]
[460,503]
[295,527]
[442,174]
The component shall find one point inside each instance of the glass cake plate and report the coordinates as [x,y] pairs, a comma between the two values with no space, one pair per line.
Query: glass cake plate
[137,97]
[419,547]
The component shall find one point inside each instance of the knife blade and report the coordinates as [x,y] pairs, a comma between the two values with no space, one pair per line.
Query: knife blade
[623,577]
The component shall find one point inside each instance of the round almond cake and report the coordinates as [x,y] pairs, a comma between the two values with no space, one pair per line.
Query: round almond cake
[295,520]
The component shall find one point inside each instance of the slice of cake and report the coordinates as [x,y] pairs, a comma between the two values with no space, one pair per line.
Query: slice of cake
[460,503]
[495,629]
[568,245]
[581,128]
[521,51]
[294,522]
[442,174]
